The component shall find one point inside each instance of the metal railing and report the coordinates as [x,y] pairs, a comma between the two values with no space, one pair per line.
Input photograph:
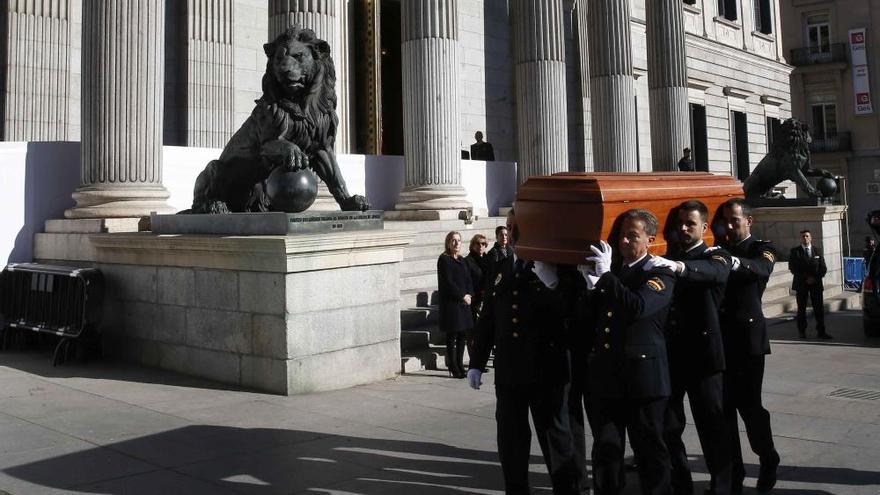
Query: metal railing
[811,55]
[840,141]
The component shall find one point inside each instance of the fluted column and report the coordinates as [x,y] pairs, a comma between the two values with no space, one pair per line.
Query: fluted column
[612,90]
[329,20]
[429,31]
[209,82]
[539,54]
[122,85]
[37,71]
[667,83]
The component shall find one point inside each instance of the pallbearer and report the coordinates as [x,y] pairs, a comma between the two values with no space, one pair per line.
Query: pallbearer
[696,350]
[746,343]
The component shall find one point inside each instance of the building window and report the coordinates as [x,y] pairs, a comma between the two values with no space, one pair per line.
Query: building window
[824,123]
[739,144]
[763,17]
[699,138]
[727,9]
[818,34]
[774,128]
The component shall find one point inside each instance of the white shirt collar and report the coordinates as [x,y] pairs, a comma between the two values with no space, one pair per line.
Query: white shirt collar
[636,261]
[695,246]
[744,240]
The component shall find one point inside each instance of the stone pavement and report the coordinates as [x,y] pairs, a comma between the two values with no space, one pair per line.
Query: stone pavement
[113,428]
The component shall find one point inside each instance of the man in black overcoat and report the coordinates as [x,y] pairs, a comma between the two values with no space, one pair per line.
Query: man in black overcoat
[629,374]
[807,266]
[522,317]
[696,349]
[746,343]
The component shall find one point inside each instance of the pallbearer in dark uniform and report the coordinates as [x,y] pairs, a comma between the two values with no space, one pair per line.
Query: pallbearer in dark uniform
[629,375]
[522,316]
[696,349]
[746,343]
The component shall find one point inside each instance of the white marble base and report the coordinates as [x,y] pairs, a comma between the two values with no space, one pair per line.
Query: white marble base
[284,314]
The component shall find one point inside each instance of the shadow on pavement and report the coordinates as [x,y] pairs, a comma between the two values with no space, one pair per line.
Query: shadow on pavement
[214,459]
[844,326]
[802,474]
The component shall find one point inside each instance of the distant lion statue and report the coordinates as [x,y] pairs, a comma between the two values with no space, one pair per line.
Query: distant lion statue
[789,159]
[293,125]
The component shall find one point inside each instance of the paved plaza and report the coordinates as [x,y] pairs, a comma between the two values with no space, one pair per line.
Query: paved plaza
[113,428]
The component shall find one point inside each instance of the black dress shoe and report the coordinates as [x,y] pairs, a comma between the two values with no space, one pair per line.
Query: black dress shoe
[825,336]
[802,334]
[767,474]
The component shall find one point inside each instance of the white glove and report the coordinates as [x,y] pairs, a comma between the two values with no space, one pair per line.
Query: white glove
[587,273]
[473,378]
[546,273]
[734,263]
[713,248]
[602,258]
[661,262]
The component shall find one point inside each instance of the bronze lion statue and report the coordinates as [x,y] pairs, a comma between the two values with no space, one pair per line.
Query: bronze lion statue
[293,125]
[789,159]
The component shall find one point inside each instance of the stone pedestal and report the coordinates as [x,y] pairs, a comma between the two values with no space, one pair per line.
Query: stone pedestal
[284,314]
[782,225]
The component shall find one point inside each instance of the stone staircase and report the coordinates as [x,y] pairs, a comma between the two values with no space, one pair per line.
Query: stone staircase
[422,345]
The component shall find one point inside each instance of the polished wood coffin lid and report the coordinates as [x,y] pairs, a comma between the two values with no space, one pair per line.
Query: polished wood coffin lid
[560,215]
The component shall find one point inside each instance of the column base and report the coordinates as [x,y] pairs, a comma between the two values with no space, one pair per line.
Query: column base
[119,202]
[325,201]
[430,203]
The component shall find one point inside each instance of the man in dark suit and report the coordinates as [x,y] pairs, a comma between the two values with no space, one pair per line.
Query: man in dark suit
[522,317]
[696,350]
[629,374]
[807,265]
[746,343]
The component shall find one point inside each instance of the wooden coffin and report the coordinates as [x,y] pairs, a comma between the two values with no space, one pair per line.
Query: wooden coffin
[560,215]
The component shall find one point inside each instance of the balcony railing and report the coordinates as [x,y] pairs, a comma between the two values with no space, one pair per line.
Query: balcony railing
[831,143]
[811,55]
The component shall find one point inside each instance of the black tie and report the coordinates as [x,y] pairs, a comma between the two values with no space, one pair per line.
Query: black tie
[624,269]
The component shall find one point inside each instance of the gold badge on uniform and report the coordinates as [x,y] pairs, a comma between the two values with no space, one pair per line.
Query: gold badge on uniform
[720,258]
[498,279]
[769,256]
[656,284]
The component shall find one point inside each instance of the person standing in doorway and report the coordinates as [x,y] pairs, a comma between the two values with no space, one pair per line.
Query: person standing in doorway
[686,164]
[807,265]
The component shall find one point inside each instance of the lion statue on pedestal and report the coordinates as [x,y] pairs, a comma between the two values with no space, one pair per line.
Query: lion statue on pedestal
[293,125]
[789,159]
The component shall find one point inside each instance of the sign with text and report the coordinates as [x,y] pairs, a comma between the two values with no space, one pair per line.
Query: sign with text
[861,80]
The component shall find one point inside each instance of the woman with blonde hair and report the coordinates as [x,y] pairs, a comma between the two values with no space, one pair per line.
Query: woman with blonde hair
[455,290]
[476,261]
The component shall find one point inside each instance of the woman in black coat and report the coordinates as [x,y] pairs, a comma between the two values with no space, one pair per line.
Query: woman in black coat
[455,290]
[476,262]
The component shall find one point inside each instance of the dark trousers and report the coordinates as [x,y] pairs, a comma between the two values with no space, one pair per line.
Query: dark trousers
[643,420]
[549,407]
[578,405]
[705,394]
[742,394]
[815,296]
[455,342]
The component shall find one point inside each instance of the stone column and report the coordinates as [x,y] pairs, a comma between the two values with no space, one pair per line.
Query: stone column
[667,84]
[585,128]
[329,20]
[37,54]
[121,171]
[539,54]
[612,90]
[209,81]
[429,31]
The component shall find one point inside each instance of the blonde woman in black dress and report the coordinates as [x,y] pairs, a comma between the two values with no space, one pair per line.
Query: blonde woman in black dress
[455,290]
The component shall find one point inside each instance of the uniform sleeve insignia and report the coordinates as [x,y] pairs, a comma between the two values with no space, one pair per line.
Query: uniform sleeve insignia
[655,284]
[498,279]
[768,256]
[718,257]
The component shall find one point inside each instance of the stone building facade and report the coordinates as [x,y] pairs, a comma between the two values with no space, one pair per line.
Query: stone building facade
[834,46]
[417,78]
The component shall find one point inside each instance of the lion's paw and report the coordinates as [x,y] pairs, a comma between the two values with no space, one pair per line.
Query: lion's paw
[355,203]
[216,207]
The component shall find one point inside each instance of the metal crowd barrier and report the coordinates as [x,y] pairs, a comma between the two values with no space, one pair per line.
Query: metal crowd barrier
[57,300]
